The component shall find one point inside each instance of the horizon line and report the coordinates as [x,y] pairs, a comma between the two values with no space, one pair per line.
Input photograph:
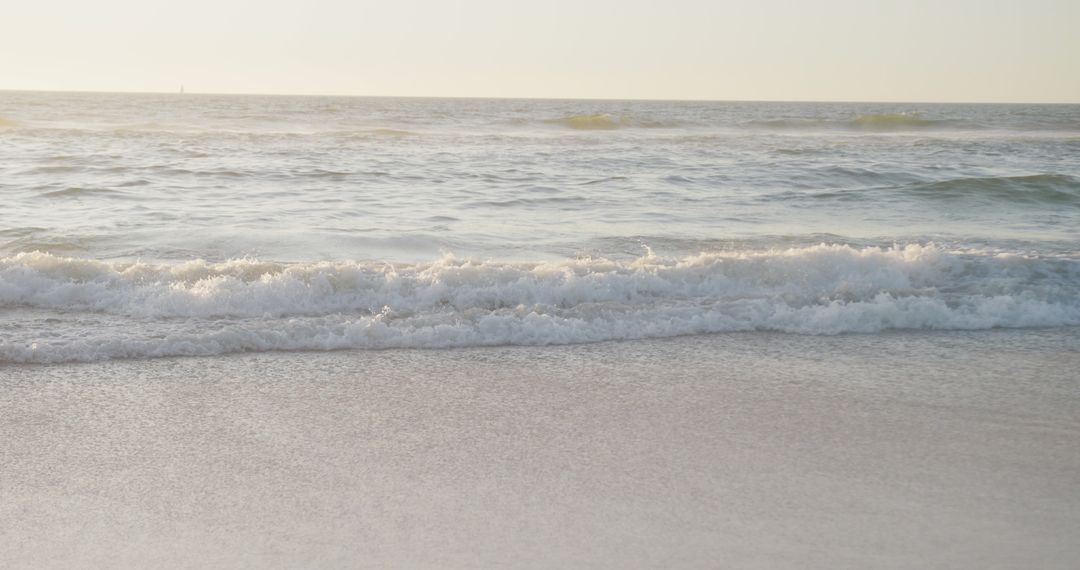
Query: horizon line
[509,98]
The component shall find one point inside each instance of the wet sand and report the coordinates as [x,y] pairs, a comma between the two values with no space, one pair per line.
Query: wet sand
[895,450]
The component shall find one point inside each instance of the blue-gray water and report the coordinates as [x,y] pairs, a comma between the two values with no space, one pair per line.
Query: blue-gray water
[155,225]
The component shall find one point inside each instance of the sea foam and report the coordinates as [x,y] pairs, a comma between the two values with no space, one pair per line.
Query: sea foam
[97,310]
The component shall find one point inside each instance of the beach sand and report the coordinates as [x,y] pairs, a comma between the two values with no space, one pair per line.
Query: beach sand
[752,450]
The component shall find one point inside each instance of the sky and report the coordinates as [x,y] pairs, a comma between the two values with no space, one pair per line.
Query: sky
[824,50]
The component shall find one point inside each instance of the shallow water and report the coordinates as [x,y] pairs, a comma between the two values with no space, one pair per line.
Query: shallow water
[155,225]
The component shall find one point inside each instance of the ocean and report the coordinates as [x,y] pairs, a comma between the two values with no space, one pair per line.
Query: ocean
[328,332]
[138,226]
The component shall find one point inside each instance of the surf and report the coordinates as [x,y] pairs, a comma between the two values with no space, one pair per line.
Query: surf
[200,307]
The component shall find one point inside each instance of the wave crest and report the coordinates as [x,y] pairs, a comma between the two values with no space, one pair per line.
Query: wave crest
[879,122]
[607,122]
[598,122]
[1036,188]
[211,308]
[1040,188]
[892,121]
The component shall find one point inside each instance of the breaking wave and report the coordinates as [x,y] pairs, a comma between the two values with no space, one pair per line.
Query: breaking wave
[82,310]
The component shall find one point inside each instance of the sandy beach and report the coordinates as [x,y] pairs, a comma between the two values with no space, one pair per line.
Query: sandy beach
[758,450]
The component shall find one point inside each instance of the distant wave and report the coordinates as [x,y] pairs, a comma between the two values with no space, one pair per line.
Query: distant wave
[1044,190]
[601,122]
[871,122]
[201,308]
[154,127]
[895,120]
[376,133]
[4,123]
[606,122]
[77,191]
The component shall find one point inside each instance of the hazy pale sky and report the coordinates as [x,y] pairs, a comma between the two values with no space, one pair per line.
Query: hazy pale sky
[889,50]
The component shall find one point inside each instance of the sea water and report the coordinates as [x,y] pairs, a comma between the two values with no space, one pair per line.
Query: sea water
[141,225]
